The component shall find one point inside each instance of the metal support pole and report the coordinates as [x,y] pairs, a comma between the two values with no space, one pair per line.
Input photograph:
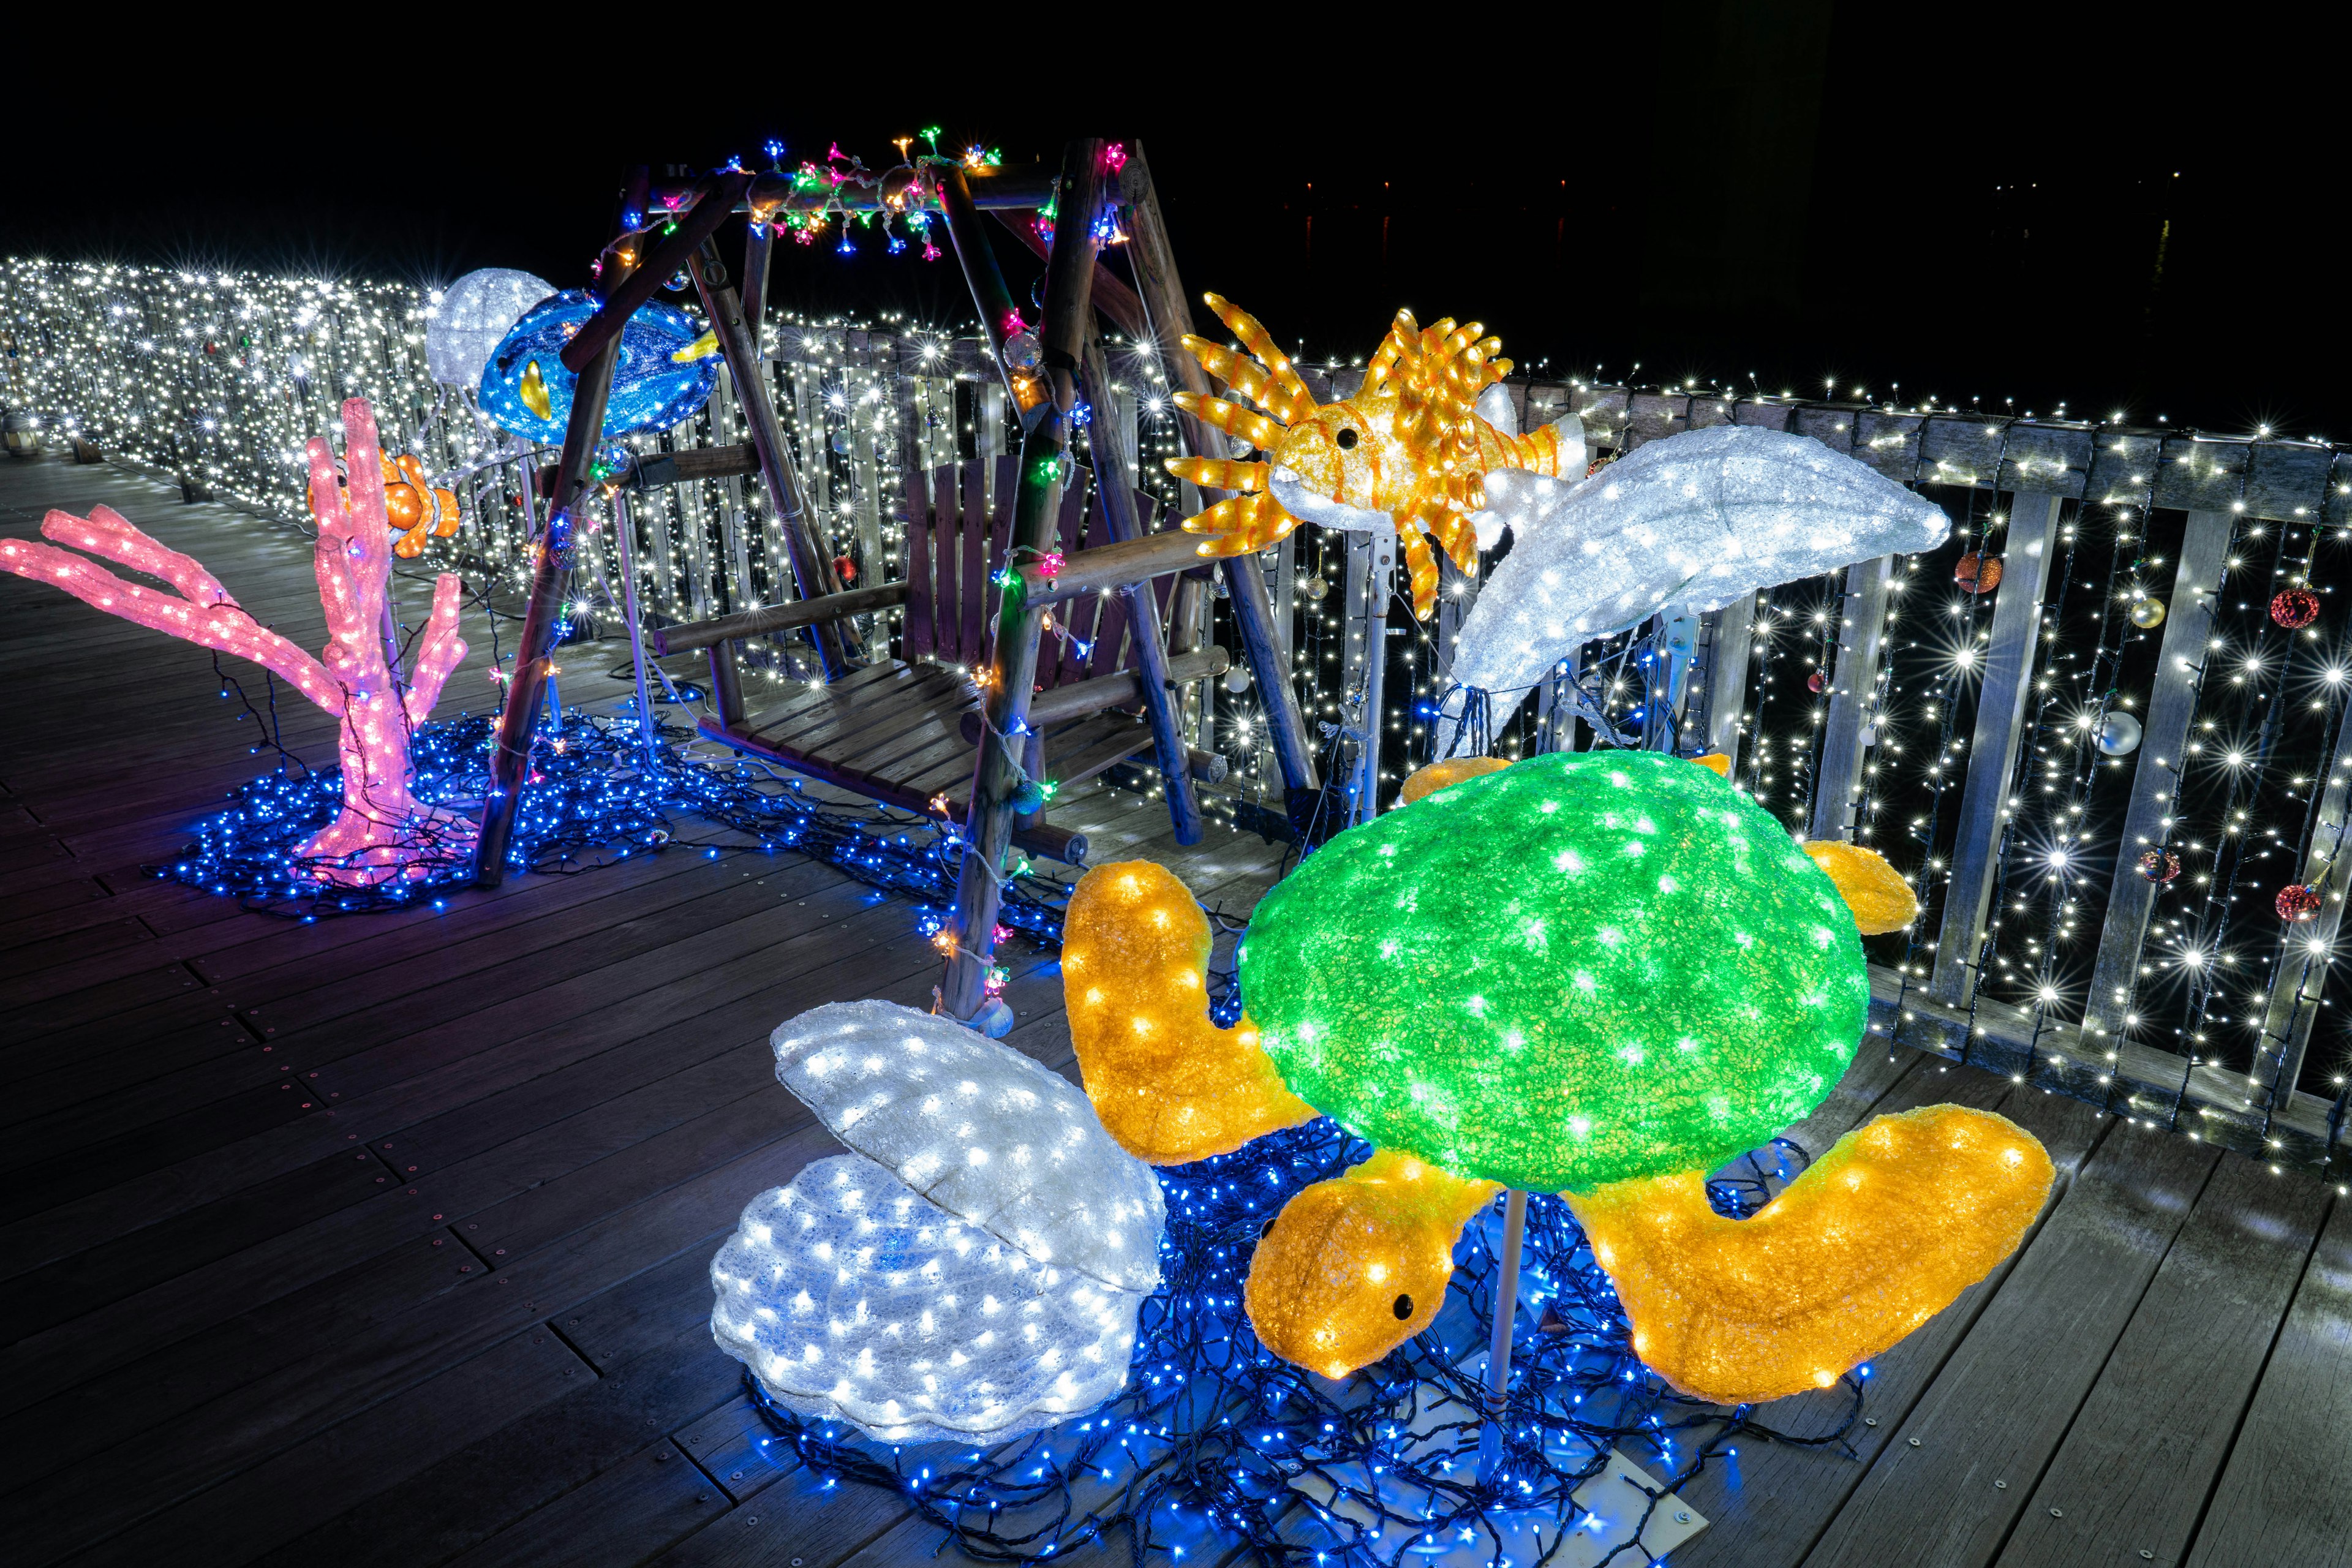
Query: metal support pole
[1380,585]
[626,557]
[1498,1344]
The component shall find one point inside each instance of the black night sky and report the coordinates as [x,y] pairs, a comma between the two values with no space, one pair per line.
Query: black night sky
[2002,208]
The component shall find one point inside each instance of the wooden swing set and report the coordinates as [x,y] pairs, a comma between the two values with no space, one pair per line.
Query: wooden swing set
[985,584]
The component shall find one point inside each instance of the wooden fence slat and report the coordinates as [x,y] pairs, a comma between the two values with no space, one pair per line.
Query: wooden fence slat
[1731,646]
[2306,949]
[972,586]
[2000,731]
[915,633]
[2171,704]
[1837,782]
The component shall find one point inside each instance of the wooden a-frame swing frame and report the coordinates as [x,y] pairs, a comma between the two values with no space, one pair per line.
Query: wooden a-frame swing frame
[1092,183]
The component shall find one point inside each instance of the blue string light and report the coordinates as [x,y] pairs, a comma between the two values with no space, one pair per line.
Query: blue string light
[1213,1429]
[588,800]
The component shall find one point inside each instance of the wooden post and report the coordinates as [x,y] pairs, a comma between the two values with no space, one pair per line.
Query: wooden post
[638,277]
[988,829]
[1154,261]
[1992,750]
[2157,768]
[1861,636]
[812,572]
[759,244]
[726,683]
[1115,481]
[549,573]
[982,274]
[2306,949]
[1731,643]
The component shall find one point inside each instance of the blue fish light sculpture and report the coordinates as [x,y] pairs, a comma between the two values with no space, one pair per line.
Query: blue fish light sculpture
[667,370]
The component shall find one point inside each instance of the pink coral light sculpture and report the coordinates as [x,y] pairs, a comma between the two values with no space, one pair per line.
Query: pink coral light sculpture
[383,832]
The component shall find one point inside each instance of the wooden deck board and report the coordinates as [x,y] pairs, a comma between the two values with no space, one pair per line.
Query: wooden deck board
[2143,1453]
[385,1240]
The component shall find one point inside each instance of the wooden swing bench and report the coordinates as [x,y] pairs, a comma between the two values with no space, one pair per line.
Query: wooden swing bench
[906,732]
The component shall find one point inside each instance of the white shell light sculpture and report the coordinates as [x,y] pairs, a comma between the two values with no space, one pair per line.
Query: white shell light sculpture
[973,1271]
[473,314]
[1695,519]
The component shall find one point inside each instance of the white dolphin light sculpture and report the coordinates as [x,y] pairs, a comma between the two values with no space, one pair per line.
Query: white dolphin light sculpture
[1694,520]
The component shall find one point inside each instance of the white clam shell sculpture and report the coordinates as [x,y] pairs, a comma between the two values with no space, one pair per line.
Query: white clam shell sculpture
[972,1271]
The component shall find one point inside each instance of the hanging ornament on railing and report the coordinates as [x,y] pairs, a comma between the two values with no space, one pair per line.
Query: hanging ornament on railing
[2147,614]
[2119,734]
[1977,572]
[2158,865]
[2298,903]
[2295,608]
[1314,588]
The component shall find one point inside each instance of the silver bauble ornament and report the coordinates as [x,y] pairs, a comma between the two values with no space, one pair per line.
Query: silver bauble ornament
[1314,588]
[1237,680]
[2119,735]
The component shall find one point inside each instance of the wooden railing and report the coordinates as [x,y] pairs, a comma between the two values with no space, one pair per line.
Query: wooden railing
[2100,1023]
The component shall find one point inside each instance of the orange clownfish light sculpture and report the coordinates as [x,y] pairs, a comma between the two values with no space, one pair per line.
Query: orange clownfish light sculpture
[415,509]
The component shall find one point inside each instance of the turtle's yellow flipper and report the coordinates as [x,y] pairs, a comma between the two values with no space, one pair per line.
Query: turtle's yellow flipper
[1882,1233]
[1168,1083]
[1875,891]
[1353,1267]
[1453,770]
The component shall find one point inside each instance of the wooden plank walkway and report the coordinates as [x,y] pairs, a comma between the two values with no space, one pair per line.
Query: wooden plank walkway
[383,1241]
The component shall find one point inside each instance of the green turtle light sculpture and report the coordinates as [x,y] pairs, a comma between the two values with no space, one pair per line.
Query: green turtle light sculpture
[1601,975]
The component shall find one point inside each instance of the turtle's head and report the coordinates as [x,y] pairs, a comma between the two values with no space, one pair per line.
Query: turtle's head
[1351,1268]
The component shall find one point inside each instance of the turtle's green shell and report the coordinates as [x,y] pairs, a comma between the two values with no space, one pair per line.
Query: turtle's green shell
[1586,968]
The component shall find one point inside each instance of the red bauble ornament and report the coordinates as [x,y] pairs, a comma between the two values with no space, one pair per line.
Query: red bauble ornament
[2159,866]
[2298,901]
[844,568]
[1816,682]
[1976,573]
[2295,608]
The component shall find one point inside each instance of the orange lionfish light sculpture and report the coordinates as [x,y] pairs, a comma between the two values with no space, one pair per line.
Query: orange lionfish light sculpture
[382,832]
[1411,449]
